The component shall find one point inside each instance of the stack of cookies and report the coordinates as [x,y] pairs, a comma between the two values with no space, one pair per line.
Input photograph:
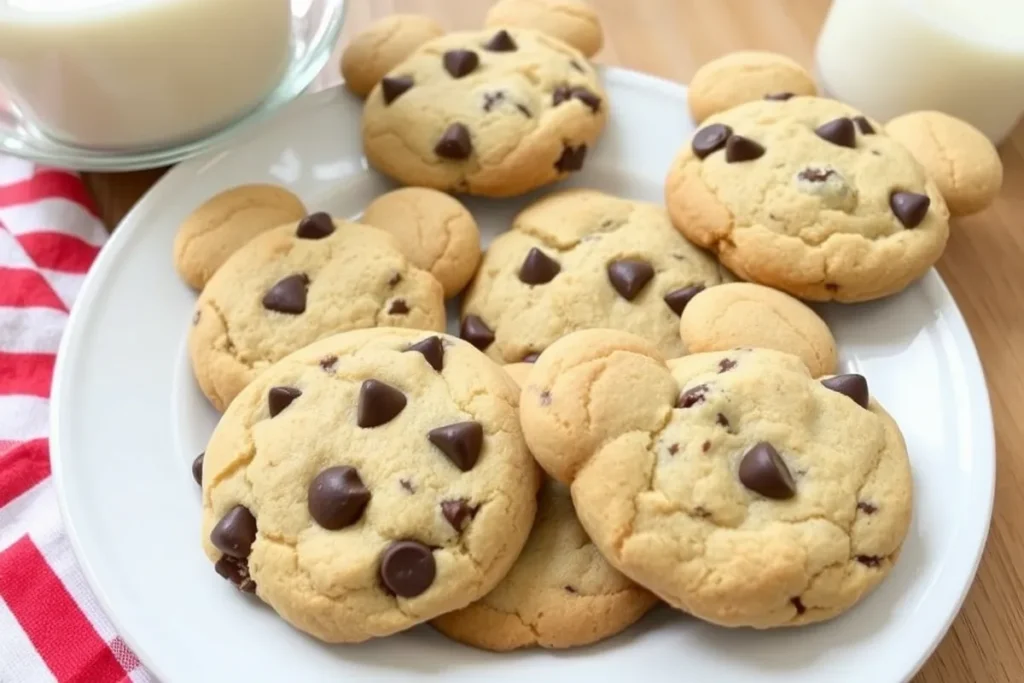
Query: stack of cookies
[637,408]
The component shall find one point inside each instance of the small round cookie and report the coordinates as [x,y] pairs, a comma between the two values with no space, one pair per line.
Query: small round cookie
[298,283]
[226,221]
[808,196]
[745,76]
[742,314]
[369,482]
[437,233]
[960,159]
[572,21]
[493,113]
[733,485]
[579,259]
[382,46]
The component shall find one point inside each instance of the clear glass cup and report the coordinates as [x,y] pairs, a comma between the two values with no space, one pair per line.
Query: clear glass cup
[129,84]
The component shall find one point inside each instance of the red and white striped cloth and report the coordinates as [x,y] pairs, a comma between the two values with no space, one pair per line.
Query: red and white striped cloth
[51,626]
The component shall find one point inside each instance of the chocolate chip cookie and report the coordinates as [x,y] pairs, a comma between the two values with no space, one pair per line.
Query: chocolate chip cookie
[733,485]
[368,482]
[809,196]
[298,283]
[581,259]
[494,113]
[744,76]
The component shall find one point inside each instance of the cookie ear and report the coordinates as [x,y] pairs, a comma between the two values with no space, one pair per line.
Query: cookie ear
[590,387]
[745,76]
[381,47]
[572,21]
[960,159]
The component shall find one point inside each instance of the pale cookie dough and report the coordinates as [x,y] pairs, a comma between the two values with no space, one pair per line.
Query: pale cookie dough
[226,221]
[580,259]
[518,371]
[732,485]
[493,113]
[961,160]
[370,482]
[741,314]
[745,76]
[572,21]
[382,46]
[298,283]
[437,233]
[808,196]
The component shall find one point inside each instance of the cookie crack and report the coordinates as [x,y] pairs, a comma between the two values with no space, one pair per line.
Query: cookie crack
[230,349]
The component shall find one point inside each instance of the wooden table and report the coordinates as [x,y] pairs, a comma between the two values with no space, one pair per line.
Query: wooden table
[983,266]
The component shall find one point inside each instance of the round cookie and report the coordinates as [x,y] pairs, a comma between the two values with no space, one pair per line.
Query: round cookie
[298,283]
[808,196]
[226,221]
[369,482]
[742,314]
[382,46]
[572,21]
[493,113]
[745,76]
[960,159]
[732,485]
[437,233]
[580,259]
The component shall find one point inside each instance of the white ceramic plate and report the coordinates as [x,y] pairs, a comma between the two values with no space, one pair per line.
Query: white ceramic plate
[128,420]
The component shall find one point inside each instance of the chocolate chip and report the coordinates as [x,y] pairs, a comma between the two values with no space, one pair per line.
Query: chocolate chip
[869,560]
[571,158]
[909,207]
[237,572]
[524,111]
[722,420]
[454,143]
[706,446]
[393,87]
[570,589]
[432,350]
[812,174]
[337,498]
[629,276]
[692,396]
[288,295]
[458,512]
[779,96]
[763,471]
[710,139]
[407,568]
[315,226]
[235,533]
[279,398]
[725,365]
[838,131]
[379,403]
[461,442]
[867,508]
[394,279]
[586,97]
[854,387]
[739,148]
[407,485]
[500,42]
[493,99]
[799,605]
[576,65]
[678,299]
[398,307]
[673,449]
[530,357]
[560,94]
[476,332]
[538,268]
[460,63]
[197,468]
[327,363]
[864,125]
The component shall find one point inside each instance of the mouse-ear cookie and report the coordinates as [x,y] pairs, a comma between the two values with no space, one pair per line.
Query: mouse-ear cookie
[960,159]
[572,21]
[745,76]
[382,46]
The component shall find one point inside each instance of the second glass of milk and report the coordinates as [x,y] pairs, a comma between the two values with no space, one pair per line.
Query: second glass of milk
[962,57]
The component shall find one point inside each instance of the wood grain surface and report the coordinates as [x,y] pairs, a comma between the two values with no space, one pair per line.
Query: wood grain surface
[983,266]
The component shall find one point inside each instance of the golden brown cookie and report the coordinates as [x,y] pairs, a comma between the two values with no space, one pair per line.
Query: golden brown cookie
[572,21]
[437,233]
[382,46]
[960,159]
[226,221]
[744,76]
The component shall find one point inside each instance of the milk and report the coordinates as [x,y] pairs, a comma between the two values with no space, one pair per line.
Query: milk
[963,57]
[133,74]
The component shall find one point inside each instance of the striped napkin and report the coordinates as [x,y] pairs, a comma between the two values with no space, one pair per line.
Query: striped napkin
[51,626]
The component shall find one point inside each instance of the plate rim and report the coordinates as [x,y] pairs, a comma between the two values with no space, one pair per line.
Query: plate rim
[983,435]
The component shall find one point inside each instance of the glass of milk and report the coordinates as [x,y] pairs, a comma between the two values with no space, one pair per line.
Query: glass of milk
[145,79]
[962,57]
